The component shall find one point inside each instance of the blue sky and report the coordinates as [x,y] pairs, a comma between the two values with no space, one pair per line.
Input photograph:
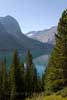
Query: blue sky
[33,14]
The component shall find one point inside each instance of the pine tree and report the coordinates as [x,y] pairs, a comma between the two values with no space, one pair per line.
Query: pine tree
[4,80]
[28,73]
[34,79]
[12,83]
[21,81]
[16,78]
[22,72]
[56,72]
[31,74]
[13,75]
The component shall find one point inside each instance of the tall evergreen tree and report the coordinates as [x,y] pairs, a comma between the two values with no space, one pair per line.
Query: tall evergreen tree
[56,72]
[22,69]
[13,75]
[4,80]
[16,78]
[21,81]
[12,83]
[31,74]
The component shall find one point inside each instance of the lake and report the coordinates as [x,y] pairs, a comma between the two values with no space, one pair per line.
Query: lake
[40,69]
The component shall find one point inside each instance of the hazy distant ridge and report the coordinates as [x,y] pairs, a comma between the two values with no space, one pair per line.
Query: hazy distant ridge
[45,36]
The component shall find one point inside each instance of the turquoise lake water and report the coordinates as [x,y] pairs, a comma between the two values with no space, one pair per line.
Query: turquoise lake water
[41,69]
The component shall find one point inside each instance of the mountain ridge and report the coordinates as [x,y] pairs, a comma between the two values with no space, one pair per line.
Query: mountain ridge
[11,38]
[45,36]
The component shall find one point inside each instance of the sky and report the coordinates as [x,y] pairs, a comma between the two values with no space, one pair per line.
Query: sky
[33,15]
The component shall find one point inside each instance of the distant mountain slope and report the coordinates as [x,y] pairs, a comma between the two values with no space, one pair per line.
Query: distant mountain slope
[12,37]
[45,36]
[7,40]
[10,24]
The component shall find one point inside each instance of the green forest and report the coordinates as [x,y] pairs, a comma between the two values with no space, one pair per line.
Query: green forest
[19,82]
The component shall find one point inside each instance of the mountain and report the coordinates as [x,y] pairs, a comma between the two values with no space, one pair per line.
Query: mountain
[11,37]
[7,40]
[10,24]
[45,36]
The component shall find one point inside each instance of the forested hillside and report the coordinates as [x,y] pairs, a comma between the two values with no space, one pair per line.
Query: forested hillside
[56,71]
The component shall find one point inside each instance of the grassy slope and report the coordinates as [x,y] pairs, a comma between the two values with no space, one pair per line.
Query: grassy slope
[52,97]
